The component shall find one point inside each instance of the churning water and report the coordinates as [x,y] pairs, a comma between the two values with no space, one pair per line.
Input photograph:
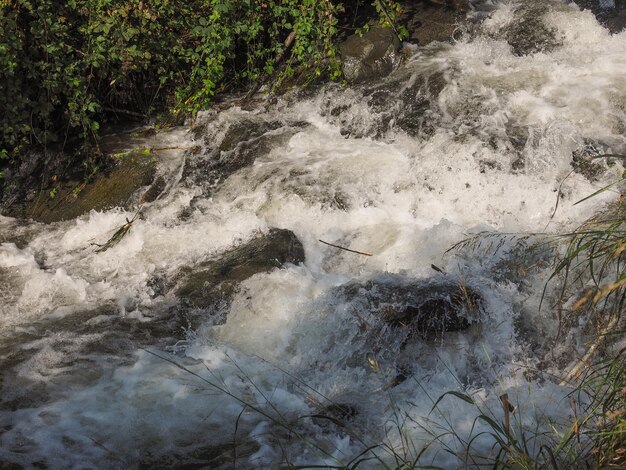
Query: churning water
[469,137]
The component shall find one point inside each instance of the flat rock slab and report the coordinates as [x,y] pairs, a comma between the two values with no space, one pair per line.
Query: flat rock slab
[429,21]
[114,188]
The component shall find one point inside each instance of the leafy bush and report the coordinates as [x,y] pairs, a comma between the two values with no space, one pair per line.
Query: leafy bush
[65,65]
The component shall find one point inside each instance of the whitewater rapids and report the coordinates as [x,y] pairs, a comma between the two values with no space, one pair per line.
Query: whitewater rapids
[463,138]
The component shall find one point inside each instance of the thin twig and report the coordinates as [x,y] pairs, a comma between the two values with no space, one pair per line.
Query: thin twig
[558,198]
[391,23]
[345,249]
[128,112]
[574,370]
[277,60]
[188,147]
[437,268]
[118,235]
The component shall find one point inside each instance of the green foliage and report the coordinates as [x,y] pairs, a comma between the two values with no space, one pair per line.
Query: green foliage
[63,63]
[242,40]
[66,65]
[388,12]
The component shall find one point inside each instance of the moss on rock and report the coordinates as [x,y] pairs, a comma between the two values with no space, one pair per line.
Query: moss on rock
[113,188]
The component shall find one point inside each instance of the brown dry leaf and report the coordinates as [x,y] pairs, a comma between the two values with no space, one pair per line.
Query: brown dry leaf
[608,289]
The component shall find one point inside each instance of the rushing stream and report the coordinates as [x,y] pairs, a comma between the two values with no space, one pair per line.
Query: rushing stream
[474,136]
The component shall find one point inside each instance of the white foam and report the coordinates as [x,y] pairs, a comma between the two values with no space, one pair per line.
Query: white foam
[290,341]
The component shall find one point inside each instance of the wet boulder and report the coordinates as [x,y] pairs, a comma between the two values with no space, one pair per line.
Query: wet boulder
[370,56]
[213,283]
[424,309]
[414,95]
[587,159]
[215,456]
[335,416]
[405,100]
[226,135]
[391,322]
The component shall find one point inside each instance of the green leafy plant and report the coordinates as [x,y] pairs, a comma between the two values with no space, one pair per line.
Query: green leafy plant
[65,67]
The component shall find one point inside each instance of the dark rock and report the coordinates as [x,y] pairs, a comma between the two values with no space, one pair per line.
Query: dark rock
[489,165]
[520,262]
[517,136]
[155,190]
[462,5]
[112,188]
[518,164]
[433,20]
[405,100]
[614,19]
[6,465]
[224,136]
[217,457]
[338,414]
[245,131]
[344,411]
[214,282]
[528,33]
[81,342]
[399,319]
[425,308]
[416,115]
[17,231]
[585,160]
[513,143]
[231,146]
[370,56]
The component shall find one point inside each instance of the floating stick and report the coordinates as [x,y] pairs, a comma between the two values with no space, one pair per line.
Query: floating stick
[345,249]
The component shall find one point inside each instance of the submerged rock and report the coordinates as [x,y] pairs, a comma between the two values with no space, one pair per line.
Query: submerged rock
[413,93]
[113,188]
[214,282]
[102,332]
[610,13]
[230,145]
[529,33]
[201,456]
[370,56]
[405,100]
[335,416]
[390,324]
[227,136]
